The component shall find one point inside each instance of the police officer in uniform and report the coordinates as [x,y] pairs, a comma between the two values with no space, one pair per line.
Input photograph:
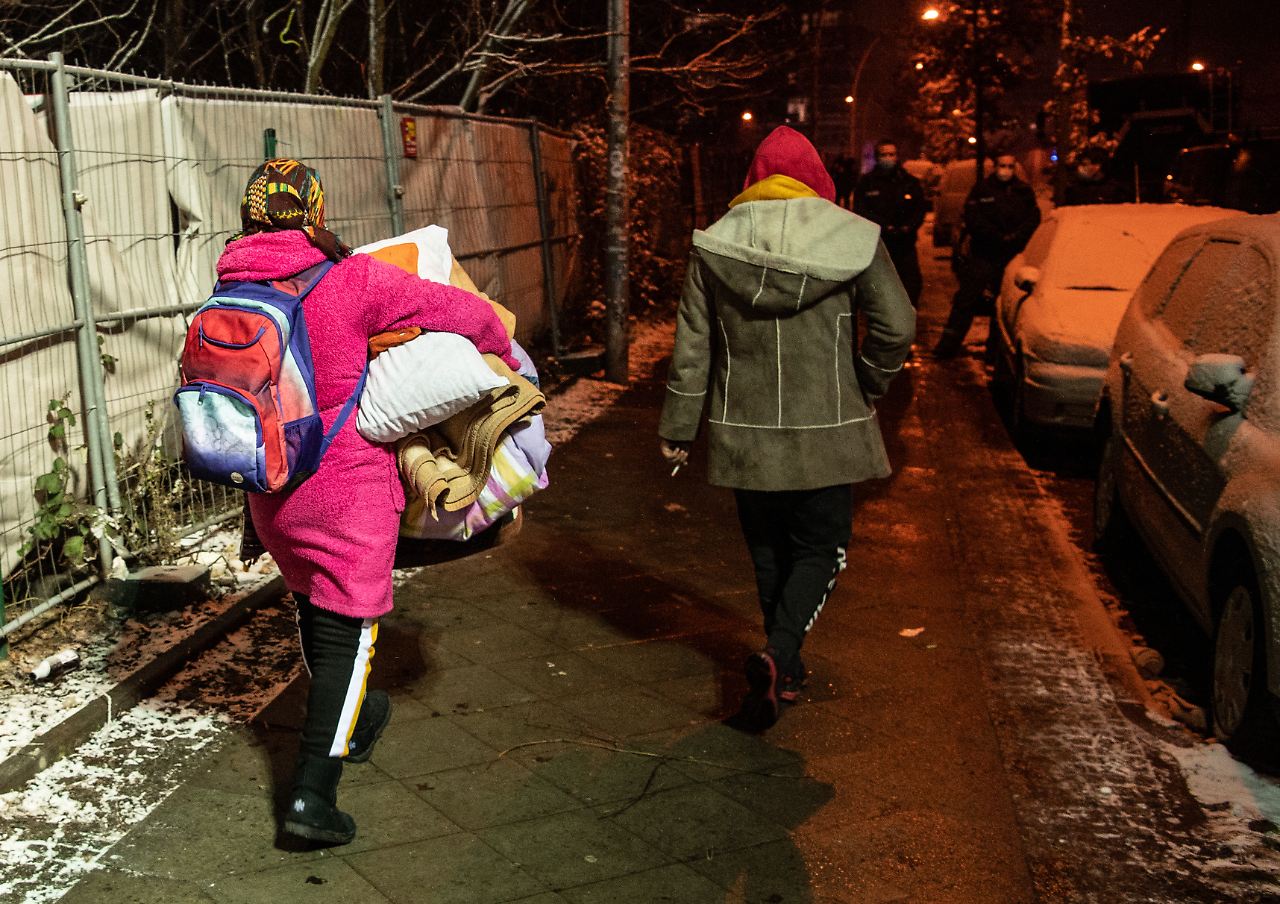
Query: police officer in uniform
[999,216]
[894,199]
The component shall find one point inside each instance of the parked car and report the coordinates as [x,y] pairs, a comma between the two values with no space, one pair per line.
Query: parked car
[1244,175]
[929,173]
[1191,458]
[1062,298]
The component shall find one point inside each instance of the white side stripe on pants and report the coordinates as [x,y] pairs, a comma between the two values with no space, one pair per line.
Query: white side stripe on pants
[831,585]
[355,688]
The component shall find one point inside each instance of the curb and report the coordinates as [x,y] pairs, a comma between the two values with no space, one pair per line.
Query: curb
[63,738]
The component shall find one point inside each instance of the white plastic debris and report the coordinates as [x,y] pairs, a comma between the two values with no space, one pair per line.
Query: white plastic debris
[57,664]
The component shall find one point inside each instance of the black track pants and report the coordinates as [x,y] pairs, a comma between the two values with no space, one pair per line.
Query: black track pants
[338,651]
[797,541]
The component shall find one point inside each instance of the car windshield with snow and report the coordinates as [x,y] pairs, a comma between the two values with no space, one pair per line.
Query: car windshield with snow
[1062,298]
[1191,456]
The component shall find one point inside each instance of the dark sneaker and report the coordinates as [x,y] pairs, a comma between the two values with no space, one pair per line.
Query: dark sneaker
[792,682]
[945,349]
[308,815]
[760,706]
[375,713]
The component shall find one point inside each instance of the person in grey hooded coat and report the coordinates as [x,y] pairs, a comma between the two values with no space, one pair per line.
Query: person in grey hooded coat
[768,346]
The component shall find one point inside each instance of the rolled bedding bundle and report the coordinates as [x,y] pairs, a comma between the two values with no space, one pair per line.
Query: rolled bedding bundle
[517,470]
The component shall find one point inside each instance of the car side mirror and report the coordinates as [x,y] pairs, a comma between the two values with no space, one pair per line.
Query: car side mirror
[1221,379]
[1026,278]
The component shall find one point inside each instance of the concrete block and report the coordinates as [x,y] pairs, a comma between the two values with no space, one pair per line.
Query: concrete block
[160,588]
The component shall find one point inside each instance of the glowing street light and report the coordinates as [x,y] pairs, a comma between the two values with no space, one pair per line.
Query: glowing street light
[919,66]
[1197,66]
[848,98]
[746,116]
[931,14]
[973,140]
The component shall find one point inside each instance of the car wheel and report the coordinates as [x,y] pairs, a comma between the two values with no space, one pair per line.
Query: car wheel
[1111,528]
[1239,705]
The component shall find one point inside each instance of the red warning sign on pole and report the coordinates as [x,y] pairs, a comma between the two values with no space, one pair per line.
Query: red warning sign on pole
[409,135]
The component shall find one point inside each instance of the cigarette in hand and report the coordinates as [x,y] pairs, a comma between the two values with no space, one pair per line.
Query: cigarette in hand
[675,470]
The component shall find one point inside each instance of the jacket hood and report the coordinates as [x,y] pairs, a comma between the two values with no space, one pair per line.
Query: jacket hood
[268,255]
[783,256]
[785,152]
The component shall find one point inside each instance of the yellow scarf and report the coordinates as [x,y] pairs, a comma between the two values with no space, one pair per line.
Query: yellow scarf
[774,188]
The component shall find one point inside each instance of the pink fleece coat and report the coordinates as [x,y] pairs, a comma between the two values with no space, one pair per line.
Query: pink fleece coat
[334,536]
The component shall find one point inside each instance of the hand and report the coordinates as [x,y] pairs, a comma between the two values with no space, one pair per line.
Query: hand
[675,453]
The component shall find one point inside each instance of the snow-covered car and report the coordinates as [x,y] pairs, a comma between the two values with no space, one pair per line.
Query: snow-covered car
[1191,454]
[1062,298]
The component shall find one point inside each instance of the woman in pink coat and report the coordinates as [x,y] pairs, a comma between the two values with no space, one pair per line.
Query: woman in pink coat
[334,536]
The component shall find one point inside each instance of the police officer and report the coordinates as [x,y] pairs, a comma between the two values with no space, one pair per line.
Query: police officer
[999,216]
[891,197]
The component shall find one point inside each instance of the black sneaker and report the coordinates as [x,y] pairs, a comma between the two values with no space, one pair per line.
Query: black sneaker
[310,816]
[760,706]
[793,681]
[375,713]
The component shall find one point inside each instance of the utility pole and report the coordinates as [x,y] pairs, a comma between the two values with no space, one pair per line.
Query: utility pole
[617,286]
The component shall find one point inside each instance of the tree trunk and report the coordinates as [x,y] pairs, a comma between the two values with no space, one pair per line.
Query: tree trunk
[377,46]
[515,9]
[322,40]
[253,41]
[175,20]
[617,287]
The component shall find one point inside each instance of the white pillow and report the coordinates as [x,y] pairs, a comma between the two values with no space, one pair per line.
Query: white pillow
[423,382]
[435,260]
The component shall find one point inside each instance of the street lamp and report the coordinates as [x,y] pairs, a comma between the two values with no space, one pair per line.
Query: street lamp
[1197,66]
[930,14]
[746,116]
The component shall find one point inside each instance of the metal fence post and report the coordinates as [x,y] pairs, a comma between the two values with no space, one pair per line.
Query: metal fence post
[391,151]
[92,383]
[544,227]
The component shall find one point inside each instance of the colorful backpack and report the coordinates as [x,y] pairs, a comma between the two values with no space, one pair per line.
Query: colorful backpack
[247,403]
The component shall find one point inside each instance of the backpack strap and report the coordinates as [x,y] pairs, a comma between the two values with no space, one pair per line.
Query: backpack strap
[316,274]
[319,270]
[345,413]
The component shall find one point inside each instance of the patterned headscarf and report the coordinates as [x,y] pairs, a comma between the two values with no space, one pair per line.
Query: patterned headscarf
[285,194]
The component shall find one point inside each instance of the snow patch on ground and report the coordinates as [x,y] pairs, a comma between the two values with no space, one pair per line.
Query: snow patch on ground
[29,709]
[1215,777]
[55,829]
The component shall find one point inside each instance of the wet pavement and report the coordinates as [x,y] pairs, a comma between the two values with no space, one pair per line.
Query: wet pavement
[557,730]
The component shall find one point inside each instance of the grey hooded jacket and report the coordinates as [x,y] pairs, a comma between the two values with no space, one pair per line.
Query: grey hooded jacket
[767,343]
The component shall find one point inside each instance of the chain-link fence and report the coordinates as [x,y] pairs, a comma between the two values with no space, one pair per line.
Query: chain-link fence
[117,194]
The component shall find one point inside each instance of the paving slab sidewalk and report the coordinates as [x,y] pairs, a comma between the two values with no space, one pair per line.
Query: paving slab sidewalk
[557,732]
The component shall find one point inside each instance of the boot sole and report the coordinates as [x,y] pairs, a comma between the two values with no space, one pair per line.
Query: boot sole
[314,833]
